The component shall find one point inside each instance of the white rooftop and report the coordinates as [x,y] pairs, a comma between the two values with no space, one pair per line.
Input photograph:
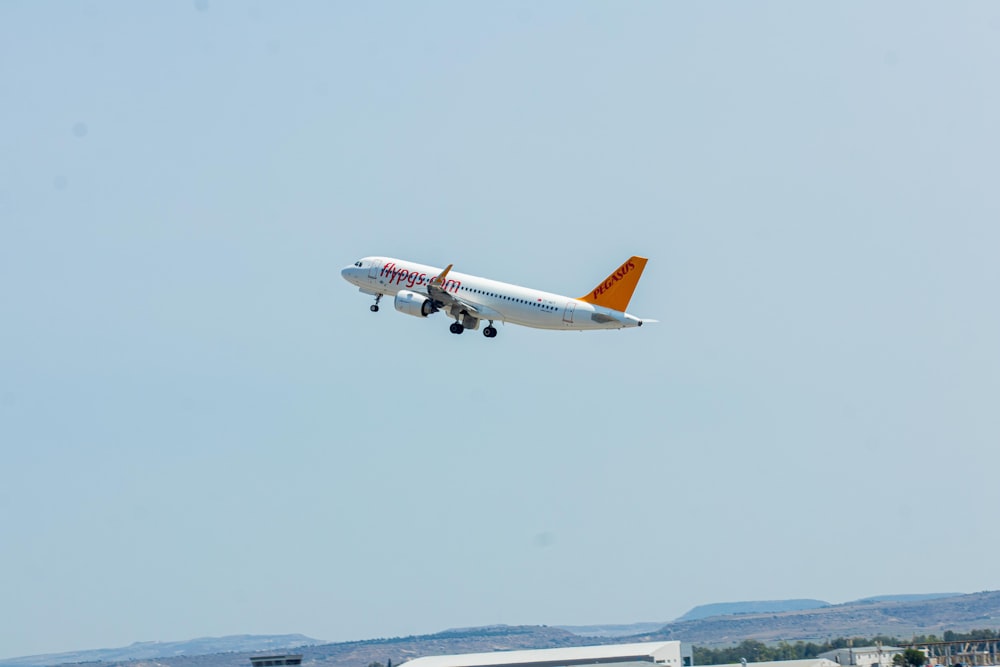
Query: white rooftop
[645,651]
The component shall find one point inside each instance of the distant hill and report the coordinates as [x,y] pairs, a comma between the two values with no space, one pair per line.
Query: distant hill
[757,607]
[899,618]
[149,650]
[397,649]
[907,598]
[611,630]
[902,618]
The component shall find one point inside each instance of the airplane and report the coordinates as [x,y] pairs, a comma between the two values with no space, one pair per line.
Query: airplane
[421,290]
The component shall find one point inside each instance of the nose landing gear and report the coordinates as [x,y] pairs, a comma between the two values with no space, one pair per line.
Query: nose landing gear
[490,331]
[374,306]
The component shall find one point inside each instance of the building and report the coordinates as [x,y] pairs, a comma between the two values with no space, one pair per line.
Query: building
[668,654]
[961,652]
[863,656]
[271,660]
[808,662]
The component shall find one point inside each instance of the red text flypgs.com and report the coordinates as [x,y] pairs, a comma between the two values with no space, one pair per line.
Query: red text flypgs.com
[412,278]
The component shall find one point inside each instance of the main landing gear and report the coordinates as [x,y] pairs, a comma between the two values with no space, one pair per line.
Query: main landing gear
[489,332]
[374,306]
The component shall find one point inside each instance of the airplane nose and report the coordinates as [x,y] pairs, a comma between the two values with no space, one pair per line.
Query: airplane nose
[345,272]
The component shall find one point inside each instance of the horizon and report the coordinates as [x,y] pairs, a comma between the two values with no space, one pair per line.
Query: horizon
[477,627]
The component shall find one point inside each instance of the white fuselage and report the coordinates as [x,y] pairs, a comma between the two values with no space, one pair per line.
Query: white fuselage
[497,301]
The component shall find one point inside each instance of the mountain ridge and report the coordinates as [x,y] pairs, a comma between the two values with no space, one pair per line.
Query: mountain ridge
[161,649]
[900,616]
[750,607]
[893,617]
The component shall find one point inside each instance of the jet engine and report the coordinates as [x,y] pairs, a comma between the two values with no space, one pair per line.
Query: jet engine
[414,304]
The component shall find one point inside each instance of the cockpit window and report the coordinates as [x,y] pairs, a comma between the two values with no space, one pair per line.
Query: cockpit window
[357,263]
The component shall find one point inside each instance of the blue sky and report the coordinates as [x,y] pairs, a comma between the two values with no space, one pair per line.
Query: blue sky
[204,431]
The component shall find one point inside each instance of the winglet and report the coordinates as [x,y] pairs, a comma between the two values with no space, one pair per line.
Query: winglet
[439,280]
[616,290]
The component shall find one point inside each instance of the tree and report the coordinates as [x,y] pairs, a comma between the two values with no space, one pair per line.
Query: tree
[914,657]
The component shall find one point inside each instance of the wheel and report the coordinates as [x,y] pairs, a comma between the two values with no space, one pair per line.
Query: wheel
[456,328]
[490,332]
[373,308]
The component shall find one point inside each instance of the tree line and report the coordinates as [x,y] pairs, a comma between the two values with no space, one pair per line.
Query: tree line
[756,651]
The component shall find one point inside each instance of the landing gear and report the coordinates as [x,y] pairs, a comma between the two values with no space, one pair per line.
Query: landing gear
[456,328]
[374,306]
[490,331]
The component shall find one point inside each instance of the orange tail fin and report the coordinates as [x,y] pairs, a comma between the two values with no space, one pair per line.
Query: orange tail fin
[616,290]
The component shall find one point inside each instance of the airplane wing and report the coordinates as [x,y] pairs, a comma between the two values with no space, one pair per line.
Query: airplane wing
[444,299]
